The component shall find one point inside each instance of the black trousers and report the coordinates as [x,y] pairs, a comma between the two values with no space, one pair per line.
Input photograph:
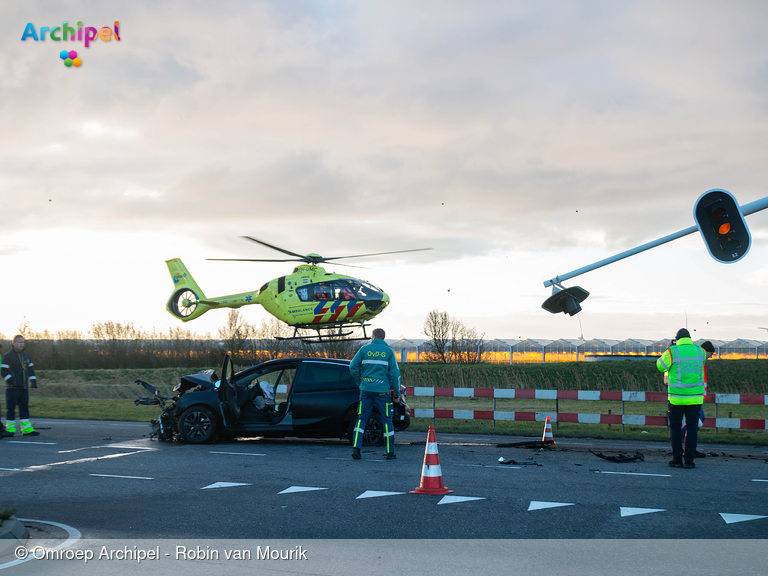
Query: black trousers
[17,397]
[675,413]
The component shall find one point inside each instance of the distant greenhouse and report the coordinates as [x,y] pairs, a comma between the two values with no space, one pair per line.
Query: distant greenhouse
[535,350]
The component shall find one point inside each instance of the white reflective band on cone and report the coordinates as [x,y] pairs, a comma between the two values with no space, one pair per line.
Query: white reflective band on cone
[431,448]
[431,471]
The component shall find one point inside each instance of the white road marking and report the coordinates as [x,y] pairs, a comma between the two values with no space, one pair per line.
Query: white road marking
[635,511]
[81,460]
[105,446]
[238,453]
[542,505]
[116,476]
[300,489]
[224,485]
[376,494]
[30,442]
[74,536]
[758,480]
[455,499]
[16,469]
[733,518]
[632,473]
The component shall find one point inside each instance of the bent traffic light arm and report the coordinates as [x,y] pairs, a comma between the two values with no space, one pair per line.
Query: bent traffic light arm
[746,209]
[557,279]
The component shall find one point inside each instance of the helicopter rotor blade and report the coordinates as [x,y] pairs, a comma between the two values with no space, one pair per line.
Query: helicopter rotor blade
[255,260]
[375,254]
[303,258]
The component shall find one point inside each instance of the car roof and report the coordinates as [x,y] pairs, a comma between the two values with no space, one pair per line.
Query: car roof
[337,361]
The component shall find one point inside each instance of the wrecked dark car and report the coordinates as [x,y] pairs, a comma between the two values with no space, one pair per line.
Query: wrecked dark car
[296,397]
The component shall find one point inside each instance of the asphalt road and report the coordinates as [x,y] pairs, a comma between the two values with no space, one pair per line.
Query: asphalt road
[107,480]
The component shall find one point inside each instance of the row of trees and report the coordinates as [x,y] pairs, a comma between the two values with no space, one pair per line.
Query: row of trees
[115,345]
[450,340]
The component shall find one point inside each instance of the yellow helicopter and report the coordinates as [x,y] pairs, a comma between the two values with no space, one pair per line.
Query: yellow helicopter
[308,298]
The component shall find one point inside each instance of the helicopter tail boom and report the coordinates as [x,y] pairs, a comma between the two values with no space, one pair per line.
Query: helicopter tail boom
[187,300]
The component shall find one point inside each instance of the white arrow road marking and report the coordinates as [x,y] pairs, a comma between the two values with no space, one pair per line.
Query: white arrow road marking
[376,494]
[733,518]
[542,505]
[224,485]
[634,511]
[300,489]
[455,499]
[116,476]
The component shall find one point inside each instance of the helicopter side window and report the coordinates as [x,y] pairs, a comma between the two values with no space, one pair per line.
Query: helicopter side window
[323,292]
[303,293]
[343,291]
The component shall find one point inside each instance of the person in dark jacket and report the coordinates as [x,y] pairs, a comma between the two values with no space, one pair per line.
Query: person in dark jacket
[3,432]
[374,369]
[709,348]
[18,371]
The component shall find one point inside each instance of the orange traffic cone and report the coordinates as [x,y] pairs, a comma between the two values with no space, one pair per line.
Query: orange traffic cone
[431,474]
[548,433]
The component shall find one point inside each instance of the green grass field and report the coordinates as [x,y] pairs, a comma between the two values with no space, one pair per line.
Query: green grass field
[109,395]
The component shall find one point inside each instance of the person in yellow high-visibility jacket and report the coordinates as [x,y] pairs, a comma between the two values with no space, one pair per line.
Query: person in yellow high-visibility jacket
[684,364]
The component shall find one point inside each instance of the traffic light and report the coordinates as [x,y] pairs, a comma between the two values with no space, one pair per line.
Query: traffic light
[722,226]
[566,300]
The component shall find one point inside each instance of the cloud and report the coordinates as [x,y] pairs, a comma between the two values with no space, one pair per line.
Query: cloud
[503,130]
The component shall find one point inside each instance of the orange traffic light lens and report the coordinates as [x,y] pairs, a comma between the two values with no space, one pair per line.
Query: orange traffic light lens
[724,228]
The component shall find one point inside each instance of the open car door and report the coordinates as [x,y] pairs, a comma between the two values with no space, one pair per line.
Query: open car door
[228,394]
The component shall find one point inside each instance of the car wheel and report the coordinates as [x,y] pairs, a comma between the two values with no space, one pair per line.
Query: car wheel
[197,425]
[374,431]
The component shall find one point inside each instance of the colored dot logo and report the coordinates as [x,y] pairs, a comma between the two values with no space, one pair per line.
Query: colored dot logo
[70,58]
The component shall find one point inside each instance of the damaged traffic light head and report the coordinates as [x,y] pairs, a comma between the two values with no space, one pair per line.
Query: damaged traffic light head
[565,300]
[722,226]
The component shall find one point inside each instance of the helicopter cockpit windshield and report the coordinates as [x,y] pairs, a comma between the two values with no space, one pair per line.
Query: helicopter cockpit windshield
[339,290]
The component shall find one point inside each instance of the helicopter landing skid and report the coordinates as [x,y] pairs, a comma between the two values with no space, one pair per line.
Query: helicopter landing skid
[329,337]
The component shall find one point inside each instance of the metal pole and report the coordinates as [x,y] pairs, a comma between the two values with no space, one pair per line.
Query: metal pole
[622,410]
[746,209]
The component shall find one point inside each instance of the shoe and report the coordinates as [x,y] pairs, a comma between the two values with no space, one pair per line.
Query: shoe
[689,465]
[35,433]
[676,463]
[698,454]
[6,434]
[390,456]
[356,453]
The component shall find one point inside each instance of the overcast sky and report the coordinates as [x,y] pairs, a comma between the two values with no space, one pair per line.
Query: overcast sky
[519,140]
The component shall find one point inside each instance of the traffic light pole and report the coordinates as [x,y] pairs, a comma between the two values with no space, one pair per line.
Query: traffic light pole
[746,209]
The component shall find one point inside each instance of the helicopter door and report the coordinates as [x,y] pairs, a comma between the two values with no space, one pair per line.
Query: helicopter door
[228,395]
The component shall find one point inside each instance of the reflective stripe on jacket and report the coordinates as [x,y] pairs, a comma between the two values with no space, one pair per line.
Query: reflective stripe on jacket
[684,364]
[374,368]
[18,371]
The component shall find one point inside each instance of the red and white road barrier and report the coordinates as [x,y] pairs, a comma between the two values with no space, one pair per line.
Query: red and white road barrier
[586,395]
